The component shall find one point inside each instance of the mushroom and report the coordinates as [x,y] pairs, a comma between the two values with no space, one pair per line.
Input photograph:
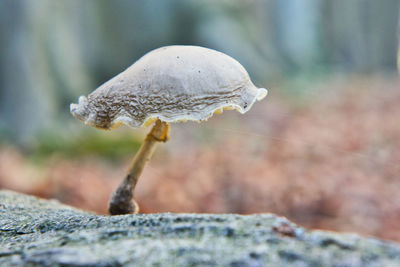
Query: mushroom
[169,84]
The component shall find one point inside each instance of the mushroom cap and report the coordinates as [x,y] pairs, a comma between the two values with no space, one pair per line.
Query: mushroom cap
[172,83]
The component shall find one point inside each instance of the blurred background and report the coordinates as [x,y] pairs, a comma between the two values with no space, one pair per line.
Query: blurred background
[323,149]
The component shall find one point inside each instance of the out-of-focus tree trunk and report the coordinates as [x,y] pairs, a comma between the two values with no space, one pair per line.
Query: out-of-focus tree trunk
[42,64]
[359,35]
[398,45]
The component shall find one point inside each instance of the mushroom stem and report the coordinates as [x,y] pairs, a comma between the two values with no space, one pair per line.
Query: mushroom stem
[122,201]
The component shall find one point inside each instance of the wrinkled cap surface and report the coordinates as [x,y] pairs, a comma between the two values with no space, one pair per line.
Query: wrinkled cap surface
[172,83]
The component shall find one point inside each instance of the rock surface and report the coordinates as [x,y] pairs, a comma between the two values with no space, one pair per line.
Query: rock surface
[47,233]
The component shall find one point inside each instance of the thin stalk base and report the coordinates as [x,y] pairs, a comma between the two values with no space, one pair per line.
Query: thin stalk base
[122,201]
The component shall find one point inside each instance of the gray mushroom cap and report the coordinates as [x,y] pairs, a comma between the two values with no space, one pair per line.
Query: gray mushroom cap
[172,83]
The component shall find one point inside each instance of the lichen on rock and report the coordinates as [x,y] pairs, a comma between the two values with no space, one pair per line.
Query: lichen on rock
[46,233]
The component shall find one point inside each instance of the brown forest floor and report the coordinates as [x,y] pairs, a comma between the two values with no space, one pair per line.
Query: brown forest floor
[330,161]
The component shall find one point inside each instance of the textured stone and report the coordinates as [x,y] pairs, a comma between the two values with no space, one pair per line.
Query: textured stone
[47,233]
